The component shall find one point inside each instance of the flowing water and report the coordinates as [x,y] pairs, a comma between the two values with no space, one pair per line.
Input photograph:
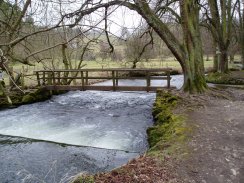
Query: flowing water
[90,131]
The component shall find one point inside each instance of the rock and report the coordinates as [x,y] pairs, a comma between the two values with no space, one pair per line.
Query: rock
[233,171]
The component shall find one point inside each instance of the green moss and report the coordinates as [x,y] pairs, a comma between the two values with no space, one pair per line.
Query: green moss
[37,96]
[169,131]
[84,179]
[223,78]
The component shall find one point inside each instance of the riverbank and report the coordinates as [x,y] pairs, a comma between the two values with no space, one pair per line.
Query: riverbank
[196,138]
[166,139]
[217,144]
[230,78]
[30,96]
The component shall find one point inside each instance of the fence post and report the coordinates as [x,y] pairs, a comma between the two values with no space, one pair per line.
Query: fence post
[82,80]
[38,79]
[113,80]
[53,76]
[49,78]
[86,77]
[148,80]
[44,77]
[59,78]
[117,80]
[168,79]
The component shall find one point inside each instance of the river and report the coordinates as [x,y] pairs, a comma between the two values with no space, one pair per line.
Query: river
[90,131]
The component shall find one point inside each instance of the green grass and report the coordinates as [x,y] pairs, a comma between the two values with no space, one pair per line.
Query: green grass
[169,62]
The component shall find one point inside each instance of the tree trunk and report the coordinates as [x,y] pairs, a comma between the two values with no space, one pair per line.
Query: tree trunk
[193,69]
[2,90]
[232,57]
[242,57]
[65,62]
[189,54]
[223,61]
[207,58]
[215,63]
[215,57]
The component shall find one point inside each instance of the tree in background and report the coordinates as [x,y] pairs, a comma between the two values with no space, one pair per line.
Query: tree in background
[240,28]
[219,15]
[138,47]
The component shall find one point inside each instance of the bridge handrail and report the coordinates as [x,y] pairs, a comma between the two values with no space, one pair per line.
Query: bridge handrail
[104,70]
[53,77]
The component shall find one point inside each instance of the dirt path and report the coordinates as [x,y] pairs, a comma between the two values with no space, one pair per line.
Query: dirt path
[217,144]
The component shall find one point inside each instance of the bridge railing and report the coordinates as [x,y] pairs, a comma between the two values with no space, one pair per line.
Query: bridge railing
[61,79]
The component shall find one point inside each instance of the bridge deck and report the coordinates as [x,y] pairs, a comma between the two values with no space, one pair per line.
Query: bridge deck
[62,79]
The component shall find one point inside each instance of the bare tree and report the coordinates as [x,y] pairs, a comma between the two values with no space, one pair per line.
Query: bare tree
[137,46]
[240,28]
[219,14]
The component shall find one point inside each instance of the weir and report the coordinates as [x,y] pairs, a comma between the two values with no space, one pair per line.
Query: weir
[62,79]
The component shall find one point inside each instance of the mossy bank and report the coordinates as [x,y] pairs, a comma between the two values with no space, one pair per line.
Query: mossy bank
[30,96]
[166,138]
[230,78]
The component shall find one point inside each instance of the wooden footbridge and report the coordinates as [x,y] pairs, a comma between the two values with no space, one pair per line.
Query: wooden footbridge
[80,79]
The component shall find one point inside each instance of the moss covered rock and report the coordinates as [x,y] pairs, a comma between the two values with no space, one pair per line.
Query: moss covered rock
[36,96]
[224,78]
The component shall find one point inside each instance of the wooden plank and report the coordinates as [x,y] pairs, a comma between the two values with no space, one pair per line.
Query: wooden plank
[122,77]
[104,88]
[110,69]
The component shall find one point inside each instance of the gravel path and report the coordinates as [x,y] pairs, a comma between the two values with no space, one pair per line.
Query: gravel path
[217,144]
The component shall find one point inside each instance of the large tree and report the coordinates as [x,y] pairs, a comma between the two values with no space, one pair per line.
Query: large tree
[240,28]
[219,14]
[188,52]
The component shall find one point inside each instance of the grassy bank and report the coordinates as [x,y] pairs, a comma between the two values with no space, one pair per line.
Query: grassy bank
[166,140]
[169,131]
[20,98]
[230,78]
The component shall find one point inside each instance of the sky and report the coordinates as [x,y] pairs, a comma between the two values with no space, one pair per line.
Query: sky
[48,13]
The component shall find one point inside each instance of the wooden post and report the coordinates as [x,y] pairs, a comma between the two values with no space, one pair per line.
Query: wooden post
[49,78]
[148,81]
[38,79]
[168,79]
[86,77]
[53,76]
[113,80]
[74,80]
[82,80]
[44,78]
[59,78]
[117,80]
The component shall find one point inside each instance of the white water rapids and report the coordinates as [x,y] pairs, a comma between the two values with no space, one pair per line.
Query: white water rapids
[111,120]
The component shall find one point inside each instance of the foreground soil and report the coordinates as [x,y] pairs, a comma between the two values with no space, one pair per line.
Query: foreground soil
[217,145]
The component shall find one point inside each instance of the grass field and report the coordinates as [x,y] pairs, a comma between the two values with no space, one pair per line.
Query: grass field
[153,63]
